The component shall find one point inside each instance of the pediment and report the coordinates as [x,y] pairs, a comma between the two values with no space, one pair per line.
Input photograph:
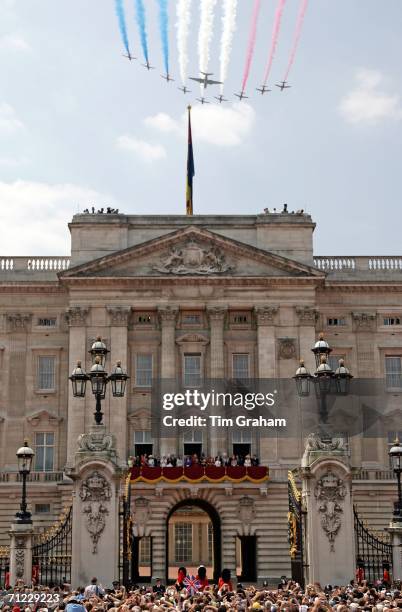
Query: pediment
[191,252]
[43,415]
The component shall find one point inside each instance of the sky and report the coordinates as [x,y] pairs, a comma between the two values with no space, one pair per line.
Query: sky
[82,126]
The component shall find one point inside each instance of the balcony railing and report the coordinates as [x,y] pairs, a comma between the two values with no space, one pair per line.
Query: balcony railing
[375,263]
[32,477]
[34,264]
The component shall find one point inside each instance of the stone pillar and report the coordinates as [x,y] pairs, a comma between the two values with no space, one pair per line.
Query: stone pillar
[307,335]
[21,552]
[77,350]
[395,531]
[119,316]
[327,498]
[168,317]
[95,521]
[217,314]
[265,316]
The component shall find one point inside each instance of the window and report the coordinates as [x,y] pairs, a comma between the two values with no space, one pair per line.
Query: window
[393,372]
[191,318]
[46,373]
[142,443]
[333,361]
[47,322]
[143,370]
[392,321]
[143,318]
[183,542]
[240,318]
[192,442]
[44,452]
[241,366]
[192,370]
[336,321]
[145,551]
[42,508]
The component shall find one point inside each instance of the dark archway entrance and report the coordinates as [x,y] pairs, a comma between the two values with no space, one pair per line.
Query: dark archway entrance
[215,523]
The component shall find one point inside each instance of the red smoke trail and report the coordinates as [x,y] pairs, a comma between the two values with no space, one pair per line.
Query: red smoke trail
[274,40]
[299,24]
[251,42]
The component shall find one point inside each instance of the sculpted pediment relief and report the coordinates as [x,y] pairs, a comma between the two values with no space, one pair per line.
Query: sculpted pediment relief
[192,251]
[191,338]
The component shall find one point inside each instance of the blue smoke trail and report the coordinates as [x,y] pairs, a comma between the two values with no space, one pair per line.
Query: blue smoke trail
[140,12]
[122,24]
[164,23]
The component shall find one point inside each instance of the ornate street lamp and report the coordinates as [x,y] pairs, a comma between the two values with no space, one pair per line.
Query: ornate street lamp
[99,378]
[302,379]
[396,460]
[321,349]
[25,456]
[323,377]
[342,378]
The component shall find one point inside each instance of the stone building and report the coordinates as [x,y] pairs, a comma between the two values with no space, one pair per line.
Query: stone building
[179,297]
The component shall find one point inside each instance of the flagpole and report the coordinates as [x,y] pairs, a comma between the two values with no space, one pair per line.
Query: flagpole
[190,168]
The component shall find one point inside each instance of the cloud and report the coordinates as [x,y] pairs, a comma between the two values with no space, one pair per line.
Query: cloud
[367,103]
[145,151]
[217,125]
[38,213]
[13,162]
[14,42]
[9,121]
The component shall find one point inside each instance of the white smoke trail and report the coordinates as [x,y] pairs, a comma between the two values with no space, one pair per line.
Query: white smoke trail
[228,29]
[183,12]
[205,33]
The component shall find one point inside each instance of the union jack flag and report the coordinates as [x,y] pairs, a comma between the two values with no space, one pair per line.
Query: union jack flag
[192,585]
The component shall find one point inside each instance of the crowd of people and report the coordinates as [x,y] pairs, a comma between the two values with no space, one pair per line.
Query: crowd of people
[194,594]
[221,460]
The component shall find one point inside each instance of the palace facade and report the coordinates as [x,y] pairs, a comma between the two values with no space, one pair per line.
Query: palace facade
[191,298]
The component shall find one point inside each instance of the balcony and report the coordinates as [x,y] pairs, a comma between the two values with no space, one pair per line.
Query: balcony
[373,267]
[11,477]
[32,268]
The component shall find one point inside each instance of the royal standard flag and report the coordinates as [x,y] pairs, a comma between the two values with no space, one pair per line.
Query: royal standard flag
[190,169]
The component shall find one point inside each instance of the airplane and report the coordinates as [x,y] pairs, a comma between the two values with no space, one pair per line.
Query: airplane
[263,89]
[148,66]
[167,77]
[282,85]
[220,99]
[241,95]
[203,100]
[184,89]
[129,56]
[205,81]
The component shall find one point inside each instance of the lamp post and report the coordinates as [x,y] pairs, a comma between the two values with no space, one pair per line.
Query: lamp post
[99,378]
[325,379]
[25,456]
[396,459]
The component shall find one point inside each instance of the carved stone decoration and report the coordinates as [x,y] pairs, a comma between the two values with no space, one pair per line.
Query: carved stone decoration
[287,348]
[77,316]
[119,315]
[363,320]
[95,488]
[266,314]
[168,315]
[315,443]
[18,322]
[142,511]
[192,258]
[307,315]
[247,510]
[96,522]
[95,441]
[20,545]
[216,313]
[330,492]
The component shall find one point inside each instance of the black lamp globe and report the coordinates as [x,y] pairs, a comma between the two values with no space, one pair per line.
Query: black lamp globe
[98,378]
[302,379]
[342,378]
[321,349]
[396,456]
[118,379]
[323,377]
[79,381]
[98,349]
[25,456]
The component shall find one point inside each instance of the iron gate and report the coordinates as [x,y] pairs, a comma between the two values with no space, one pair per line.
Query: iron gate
[126,536]
[4,566]
[51,553]
[373,554]
[295,531]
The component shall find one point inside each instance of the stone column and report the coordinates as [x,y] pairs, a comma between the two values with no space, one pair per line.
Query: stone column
[119,317]
[217,314]
[168,374]
[265,317]
[307,335]
[21,552]
[327,498]
[77,350]
[395,531]
[95,521]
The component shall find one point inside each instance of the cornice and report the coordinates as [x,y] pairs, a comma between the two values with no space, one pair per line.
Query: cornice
[395,287]
[155,281]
